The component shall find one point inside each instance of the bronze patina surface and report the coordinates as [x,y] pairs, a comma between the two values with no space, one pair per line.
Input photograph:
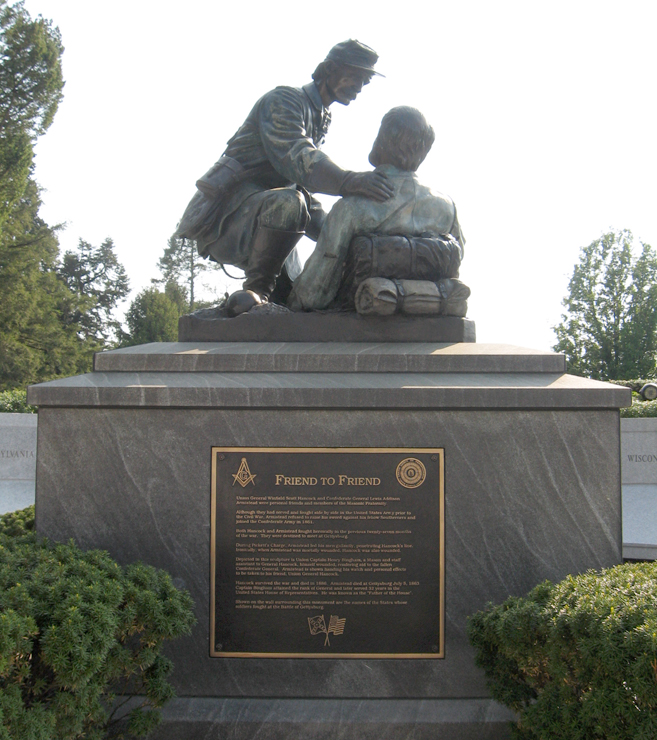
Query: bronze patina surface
[327,552]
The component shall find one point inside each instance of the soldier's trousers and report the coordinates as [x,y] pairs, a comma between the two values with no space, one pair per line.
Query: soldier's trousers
[284,209]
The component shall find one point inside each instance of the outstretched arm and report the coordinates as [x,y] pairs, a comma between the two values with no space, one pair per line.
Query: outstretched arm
[293,154]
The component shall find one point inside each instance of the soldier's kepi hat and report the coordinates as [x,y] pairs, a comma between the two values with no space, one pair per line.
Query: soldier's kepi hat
[354,54]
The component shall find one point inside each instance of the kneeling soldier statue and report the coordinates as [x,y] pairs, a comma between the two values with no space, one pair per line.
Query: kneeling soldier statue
[252,207]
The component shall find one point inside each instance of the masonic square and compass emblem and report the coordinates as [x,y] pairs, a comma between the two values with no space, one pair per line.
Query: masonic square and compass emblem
[244,475]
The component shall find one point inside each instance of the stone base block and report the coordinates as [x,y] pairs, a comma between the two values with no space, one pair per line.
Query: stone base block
[531,491]
[331,327]
[334,719]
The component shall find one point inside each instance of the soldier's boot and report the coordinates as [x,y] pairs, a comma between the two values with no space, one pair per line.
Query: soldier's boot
[240,302]
[269,251]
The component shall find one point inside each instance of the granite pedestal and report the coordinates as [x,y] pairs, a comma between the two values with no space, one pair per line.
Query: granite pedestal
[532,491]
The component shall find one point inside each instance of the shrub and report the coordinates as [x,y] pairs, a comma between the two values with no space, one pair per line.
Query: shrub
[576,660]
[15,402]
[17,523]
[639,409]
[635,385]
[76,629]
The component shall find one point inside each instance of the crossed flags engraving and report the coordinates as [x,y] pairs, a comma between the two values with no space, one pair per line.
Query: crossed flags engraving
[335,627]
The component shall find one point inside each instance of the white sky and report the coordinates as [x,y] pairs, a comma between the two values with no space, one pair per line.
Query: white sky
[544,114]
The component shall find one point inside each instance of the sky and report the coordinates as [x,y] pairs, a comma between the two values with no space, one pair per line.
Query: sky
[544,112]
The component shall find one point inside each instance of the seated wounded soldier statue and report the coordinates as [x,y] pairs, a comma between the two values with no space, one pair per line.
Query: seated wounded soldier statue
[403,254]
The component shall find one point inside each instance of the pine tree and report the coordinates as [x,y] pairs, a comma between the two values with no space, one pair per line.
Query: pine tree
[99,279]
[30,91]
[181,264]
[38,341]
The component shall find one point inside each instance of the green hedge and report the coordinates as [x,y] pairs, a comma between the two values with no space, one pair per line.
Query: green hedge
[640,409]
[15,402]
[635,384]
[76,629]
[576,660]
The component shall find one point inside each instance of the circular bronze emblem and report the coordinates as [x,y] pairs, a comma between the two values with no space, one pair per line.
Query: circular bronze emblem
[411,473]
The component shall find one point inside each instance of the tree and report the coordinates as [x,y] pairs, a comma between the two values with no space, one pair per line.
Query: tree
[30,91]
[37,341]
[609,330]
[181,264]
[96,275]
[52,316]
[178,295]
[152,317]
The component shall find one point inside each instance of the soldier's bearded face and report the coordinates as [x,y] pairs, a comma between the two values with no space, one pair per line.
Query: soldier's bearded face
[345,83]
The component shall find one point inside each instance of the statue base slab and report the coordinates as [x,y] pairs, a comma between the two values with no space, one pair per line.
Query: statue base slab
[325,327]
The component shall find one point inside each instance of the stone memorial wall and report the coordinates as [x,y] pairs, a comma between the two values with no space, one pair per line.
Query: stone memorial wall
[639,477]
[18,436]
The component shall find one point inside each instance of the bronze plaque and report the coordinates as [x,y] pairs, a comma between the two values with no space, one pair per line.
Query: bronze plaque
[327,553]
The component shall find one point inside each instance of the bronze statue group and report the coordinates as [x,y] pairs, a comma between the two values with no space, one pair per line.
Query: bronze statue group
[389,245]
